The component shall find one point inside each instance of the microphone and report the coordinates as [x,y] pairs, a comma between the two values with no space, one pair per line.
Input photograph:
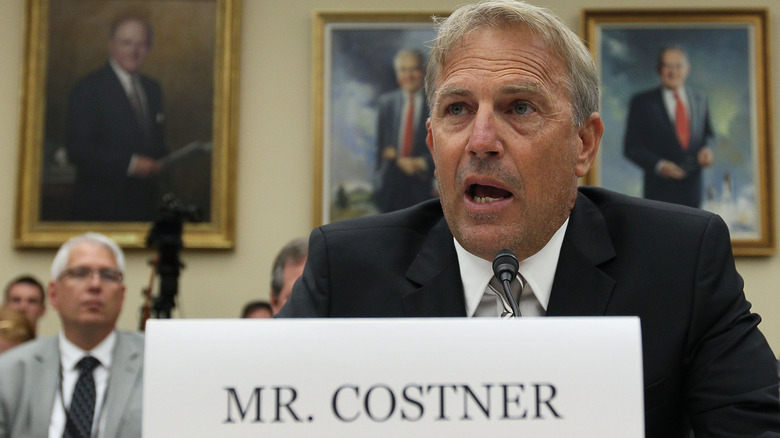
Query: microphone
[505,266]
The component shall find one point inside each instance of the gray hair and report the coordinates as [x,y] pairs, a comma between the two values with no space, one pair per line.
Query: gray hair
[63,254]
[581,80]
[296,251]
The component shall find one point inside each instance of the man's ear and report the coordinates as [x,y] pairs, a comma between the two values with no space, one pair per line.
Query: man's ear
[589,139]
[429,137]
[51,291]
[429,142]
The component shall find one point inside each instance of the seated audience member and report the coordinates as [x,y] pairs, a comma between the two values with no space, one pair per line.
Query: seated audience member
[15,328]
[288,266]
[86,381]
[257,309]
[25,294]
[514,124]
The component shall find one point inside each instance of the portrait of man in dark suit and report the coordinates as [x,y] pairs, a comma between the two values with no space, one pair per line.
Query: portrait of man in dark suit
[114,132]
[128,112]
[404,167]
[669,134]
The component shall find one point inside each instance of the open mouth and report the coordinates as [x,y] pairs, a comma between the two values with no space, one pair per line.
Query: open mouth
[487,194]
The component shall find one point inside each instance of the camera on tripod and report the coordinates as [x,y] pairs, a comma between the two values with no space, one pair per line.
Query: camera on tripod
[165,235]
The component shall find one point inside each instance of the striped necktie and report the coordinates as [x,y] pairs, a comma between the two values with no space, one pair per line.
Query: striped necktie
[82,405]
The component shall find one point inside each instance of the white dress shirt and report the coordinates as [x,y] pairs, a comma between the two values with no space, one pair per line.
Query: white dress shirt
[671,103]
[537,270]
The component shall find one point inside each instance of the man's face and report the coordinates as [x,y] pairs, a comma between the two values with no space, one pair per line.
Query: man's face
[409,73]
[506,150]
[290,273]
[129,46]
[27,299]
[674,69]
[90,302]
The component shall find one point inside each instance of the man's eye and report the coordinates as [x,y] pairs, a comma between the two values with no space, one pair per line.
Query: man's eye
[456,109]
[522,108]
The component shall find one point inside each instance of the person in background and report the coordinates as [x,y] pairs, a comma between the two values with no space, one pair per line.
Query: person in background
[514,125]
[15,329]
[87,381]
[257,309]
[25,294]
[288,266]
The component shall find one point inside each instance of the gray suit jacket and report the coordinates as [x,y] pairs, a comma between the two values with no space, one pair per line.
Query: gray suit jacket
[29,376]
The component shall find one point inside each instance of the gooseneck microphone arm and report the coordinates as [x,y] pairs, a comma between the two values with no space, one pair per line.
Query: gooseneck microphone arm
[505,267]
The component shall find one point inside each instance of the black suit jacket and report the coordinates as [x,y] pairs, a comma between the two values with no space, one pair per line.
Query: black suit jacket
[650,136]
[394,189]
[705,362]
[102,133]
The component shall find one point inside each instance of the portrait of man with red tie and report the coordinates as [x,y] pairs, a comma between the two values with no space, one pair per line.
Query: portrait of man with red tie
[669,134]
[404,167]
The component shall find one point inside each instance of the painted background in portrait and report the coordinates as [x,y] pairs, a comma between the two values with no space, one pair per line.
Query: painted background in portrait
[360,70]
[721,68]
[181,59]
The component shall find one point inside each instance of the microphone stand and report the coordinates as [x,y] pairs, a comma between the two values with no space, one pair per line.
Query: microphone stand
[505,267]
[510,298]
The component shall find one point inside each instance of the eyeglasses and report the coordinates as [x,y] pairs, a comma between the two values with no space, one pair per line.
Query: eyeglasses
[83,273]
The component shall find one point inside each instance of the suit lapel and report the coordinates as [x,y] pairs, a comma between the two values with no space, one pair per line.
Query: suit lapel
[126,365]
[435,270]
[580,287]
[44,380]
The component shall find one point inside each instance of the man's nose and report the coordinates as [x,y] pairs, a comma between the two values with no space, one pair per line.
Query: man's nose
[483,139]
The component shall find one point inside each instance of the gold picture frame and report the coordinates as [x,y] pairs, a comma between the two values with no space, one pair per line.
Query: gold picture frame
[194,58]
[351,77]
[728,54]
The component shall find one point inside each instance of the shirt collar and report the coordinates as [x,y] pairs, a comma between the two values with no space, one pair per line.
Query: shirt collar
[669,93]
[70,354]
[538,270]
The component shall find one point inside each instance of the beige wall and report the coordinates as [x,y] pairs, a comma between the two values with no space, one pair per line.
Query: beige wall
[275,165]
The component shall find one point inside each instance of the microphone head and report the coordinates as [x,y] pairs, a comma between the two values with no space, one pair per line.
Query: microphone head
[505,265]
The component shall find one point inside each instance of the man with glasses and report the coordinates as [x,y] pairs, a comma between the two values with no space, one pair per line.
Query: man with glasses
[87,381]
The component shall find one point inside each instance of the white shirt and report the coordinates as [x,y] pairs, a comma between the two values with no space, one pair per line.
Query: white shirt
[671,103]
[70,355]
[538,271]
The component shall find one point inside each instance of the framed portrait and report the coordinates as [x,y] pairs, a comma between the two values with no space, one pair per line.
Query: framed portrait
[685,105]
[129,112]
[370,112]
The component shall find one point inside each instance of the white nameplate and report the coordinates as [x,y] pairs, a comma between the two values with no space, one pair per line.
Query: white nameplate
[453,377]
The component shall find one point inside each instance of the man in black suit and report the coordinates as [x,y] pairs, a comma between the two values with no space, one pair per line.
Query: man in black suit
[404,167]
[115,132]
[513,126]
[669,134]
